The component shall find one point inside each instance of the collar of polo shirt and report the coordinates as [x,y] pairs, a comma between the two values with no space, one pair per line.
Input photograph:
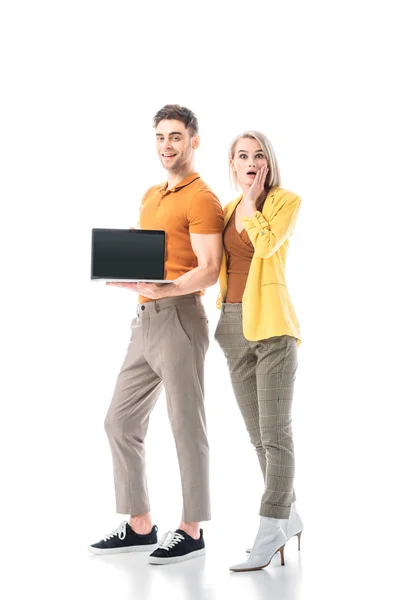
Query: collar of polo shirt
[187,181]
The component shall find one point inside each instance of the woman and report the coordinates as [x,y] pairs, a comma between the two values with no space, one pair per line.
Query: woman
[259,333]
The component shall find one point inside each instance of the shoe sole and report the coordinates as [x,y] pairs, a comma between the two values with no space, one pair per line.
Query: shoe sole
[144,548]
[250,568]
[157,560]
[241,570]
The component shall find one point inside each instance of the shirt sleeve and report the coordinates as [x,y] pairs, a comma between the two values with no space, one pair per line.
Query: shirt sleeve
[138,223]
[145,218]
[205,214]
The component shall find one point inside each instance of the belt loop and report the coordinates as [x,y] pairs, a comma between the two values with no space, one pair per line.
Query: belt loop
[137,310]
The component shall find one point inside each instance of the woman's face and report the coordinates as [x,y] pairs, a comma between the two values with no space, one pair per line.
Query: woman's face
[247,160]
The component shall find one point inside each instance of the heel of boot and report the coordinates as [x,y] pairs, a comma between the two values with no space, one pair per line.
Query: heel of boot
[298,539]
[282,553]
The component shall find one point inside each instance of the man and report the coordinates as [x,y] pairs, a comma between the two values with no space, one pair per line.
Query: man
[168,346]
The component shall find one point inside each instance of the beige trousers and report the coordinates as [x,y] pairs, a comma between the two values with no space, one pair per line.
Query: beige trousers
[167,348]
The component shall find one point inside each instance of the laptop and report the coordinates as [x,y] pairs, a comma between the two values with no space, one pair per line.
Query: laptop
[128,255]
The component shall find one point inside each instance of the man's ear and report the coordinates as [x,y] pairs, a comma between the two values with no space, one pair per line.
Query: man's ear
[195,141]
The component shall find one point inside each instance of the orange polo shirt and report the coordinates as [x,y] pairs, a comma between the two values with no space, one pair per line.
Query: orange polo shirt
[188,207]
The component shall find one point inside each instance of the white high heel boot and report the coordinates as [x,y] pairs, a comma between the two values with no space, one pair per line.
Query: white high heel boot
[269,540]
[291,526]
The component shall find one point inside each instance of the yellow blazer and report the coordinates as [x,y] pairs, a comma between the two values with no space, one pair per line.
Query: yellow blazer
[266,305]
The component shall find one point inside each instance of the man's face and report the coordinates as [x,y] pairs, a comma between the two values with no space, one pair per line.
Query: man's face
[175,147]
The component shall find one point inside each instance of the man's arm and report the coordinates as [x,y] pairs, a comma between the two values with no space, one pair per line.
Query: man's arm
[208,250]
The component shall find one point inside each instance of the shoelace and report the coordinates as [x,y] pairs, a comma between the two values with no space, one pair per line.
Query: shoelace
[170,539]
[120,531]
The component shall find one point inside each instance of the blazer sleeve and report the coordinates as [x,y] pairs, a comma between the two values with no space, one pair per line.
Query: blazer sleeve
[268,236]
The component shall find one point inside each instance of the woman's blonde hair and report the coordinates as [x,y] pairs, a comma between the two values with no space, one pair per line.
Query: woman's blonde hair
[274,176]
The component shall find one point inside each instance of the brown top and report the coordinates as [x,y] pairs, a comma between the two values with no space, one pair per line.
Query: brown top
[188,207]
[239,253]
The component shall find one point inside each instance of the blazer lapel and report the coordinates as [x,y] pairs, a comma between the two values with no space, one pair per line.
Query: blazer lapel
[230,208]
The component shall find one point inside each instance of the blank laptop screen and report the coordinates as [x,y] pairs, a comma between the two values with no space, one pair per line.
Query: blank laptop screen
[128,254]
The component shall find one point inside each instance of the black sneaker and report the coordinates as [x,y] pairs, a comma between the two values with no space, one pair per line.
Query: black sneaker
[124,539]
[177,546]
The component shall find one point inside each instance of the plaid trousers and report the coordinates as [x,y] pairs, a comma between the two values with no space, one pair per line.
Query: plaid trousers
[263,374]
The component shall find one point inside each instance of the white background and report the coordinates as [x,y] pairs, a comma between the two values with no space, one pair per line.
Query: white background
[81,81]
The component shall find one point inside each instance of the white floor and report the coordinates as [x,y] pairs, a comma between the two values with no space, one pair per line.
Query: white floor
[325,568]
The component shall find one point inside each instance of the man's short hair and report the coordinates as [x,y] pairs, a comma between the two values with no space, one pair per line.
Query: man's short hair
[178,113]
